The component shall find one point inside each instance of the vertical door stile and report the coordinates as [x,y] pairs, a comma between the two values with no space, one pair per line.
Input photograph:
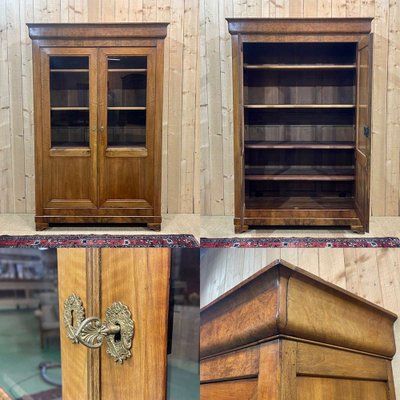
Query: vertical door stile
[93,307]
[363,133]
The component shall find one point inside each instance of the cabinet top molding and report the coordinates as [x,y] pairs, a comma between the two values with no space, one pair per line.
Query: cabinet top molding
[283,300]
[299,25]
[130,30]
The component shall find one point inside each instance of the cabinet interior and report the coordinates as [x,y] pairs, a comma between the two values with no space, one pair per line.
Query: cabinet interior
[299,125]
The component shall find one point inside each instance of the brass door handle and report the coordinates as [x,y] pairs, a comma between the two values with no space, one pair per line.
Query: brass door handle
[117,329]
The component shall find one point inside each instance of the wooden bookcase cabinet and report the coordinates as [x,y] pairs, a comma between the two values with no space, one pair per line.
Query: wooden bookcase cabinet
[301,96]
[286,334]
[98,122]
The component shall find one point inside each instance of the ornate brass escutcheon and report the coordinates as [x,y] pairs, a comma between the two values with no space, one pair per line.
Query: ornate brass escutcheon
[118,328]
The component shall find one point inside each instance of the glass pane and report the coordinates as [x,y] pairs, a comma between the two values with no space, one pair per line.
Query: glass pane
[127,62]
[184,326]
[126,100]
[126,89]
[69,128]
[29,324]
[126,128]
[69,100]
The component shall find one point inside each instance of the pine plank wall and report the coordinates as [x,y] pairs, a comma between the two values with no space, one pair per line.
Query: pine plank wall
[180,127]
[370,273]
[216,187]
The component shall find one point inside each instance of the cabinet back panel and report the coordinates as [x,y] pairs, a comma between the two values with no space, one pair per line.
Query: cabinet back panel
[299,157]
[260,189]
[315,116]
[300,133]
[312,388]
[299,53]
[299,87]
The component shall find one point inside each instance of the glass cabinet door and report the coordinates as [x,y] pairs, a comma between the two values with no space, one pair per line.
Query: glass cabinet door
[69,101]
[69,127]
[126,101]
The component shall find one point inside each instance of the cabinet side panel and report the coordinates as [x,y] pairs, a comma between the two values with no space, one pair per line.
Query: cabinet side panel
[248,315]
[345,323]
[138,278]
[74,357]
[312,388]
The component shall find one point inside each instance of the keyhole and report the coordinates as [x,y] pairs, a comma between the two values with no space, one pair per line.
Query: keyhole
[117,336]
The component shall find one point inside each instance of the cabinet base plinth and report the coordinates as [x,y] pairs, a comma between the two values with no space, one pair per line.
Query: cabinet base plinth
[241,228]
[41,226]
[154,227]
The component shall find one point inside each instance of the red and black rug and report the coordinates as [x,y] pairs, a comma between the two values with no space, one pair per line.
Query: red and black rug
[70,241]
[299,242]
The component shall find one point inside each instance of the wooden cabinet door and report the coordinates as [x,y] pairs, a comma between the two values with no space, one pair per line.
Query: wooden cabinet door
[67,143]
[127,117]
[363,132]
[139,278]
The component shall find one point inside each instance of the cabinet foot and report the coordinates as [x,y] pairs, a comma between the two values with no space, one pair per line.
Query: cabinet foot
[241,228]
[41,226]
[154,227]
[357,229]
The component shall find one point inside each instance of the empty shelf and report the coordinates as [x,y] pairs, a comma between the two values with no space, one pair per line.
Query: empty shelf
[299,145]
[304,202]
[267,106]
[299,66]
[127,108]
[296,173]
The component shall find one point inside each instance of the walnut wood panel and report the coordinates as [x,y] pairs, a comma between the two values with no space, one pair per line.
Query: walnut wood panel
[253,312]
[138,278]
[282,299]
[237,364]
[72,278]
[347,322]
[313,360]
[313,388]
[238,390]
[299,25]
[129,30]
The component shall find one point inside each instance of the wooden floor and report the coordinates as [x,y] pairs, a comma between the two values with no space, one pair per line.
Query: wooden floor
[214,227]
[370,273]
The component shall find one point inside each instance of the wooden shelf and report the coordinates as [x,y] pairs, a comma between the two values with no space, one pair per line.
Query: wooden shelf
[299,66]
[303,202]
[299,173]
[268,106]
[138,70]
[127,108]
[69,70]
[69,108]
[299,145]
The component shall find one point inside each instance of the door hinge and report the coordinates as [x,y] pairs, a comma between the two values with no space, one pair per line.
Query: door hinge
[366,131]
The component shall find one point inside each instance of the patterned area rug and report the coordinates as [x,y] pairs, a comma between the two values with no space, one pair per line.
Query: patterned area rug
[299,242]
[70,241]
